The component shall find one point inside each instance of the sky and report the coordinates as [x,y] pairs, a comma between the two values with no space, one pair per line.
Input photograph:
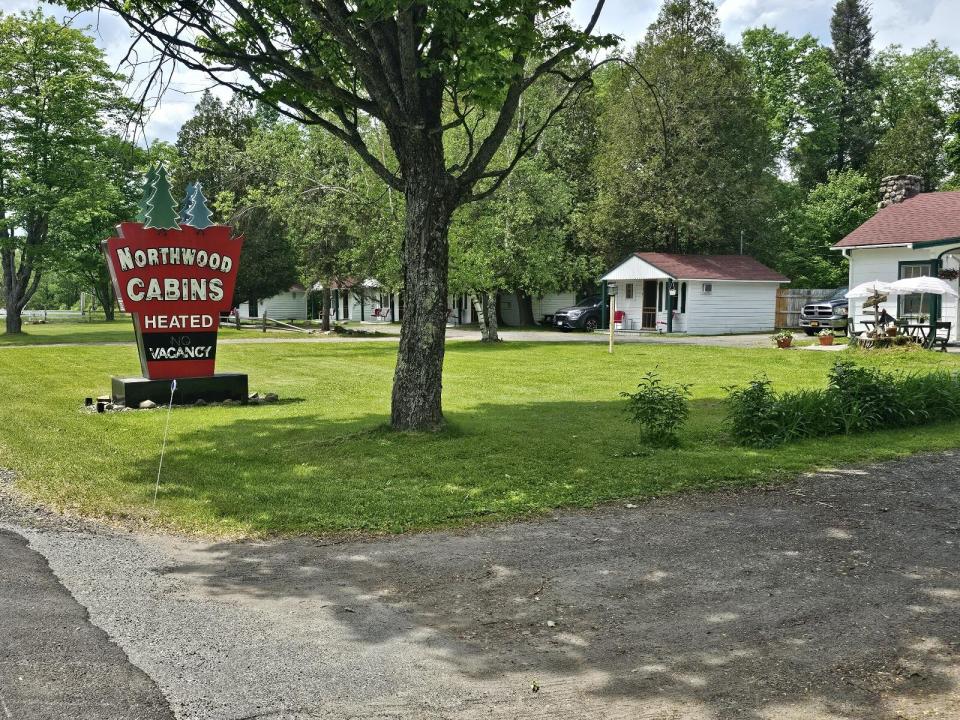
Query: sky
[910,23]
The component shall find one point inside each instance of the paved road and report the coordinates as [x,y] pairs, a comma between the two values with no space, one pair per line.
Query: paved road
[833,597]
[54,663]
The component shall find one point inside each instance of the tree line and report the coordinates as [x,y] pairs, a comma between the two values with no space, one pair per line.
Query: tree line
[443,149]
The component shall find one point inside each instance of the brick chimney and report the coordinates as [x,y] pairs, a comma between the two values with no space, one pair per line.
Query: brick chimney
[897,188]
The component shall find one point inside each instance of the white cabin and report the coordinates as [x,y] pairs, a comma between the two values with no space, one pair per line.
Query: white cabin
[698,294]
[289,305]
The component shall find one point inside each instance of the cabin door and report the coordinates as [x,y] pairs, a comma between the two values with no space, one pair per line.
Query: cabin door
[649,313]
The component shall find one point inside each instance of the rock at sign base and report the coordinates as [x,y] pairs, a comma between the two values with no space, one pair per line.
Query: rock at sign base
[200,403]
[147,405]
[271,398]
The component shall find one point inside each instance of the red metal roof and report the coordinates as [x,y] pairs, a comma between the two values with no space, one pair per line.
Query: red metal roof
[711,267]
[926,217]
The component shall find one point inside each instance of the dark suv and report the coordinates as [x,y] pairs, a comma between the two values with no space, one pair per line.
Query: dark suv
[585,315]
[829,314]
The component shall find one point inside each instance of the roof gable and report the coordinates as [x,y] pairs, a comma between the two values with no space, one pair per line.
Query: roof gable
[712,267]
[927,217]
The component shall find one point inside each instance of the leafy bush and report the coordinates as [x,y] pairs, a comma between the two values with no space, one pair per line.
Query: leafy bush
[758,417]
[856,399]
[659,409]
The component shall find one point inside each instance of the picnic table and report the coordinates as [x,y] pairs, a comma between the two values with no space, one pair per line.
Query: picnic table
[920,332]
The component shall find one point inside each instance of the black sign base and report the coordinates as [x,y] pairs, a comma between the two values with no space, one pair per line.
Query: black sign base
[223,386]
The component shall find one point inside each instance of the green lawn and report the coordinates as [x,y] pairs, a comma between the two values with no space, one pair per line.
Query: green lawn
[532,427]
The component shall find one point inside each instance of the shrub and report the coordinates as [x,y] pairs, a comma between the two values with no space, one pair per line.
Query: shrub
[660,410]
[856,399]
[758,417]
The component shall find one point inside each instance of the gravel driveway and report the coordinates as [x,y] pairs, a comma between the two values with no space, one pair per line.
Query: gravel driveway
[837,596]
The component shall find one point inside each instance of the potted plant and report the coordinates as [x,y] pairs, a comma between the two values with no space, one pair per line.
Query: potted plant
[783,339]
[825,337]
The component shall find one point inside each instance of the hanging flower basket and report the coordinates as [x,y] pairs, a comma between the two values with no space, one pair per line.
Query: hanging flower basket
[948,274]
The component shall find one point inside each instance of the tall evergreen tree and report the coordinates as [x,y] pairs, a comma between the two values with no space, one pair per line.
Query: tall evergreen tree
[683,164]
[850,56]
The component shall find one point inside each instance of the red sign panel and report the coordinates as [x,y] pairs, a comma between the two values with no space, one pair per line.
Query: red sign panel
[175,283]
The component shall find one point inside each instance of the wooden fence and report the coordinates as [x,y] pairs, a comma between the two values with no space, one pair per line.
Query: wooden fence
[791,301]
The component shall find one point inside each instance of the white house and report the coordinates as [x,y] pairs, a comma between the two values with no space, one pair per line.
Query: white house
[289,305]
[369,301]
[912,234]
[699,294]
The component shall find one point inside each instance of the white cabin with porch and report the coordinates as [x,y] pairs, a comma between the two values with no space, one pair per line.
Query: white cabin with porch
[289,305]
[369,301]
[698,294]
[912,235]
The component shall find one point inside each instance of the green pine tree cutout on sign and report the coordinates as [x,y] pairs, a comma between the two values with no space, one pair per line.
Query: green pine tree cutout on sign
[147,192]
[185,204]
[199,212]
[162,208]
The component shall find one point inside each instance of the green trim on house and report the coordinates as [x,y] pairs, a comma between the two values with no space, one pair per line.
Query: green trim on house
[936,306]
[934,243]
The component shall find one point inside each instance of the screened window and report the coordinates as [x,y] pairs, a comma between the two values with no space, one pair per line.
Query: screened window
[683,297]
[629,292]
[707,288]
[659,296]
[915,306]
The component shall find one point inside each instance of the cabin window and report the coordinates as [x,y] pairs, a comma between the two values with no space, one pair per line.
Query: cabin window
[916,305]
[659,297]
[683,297]
[707,288]
[629,292]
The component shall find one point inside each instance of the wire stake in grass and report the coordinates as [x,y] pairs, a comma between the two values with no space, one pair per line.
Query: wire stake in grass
[163,447]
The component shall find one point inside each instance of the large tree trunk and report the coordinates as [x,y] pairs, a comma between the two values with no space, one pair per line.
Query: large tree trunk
[19,284]
[417,382]
[526,308]
[325,308]
[104,294]
[488,319]
[14,319]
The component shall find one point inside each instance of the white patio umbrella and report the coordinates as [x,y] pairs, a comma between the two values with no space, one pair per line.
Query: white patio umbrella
[869,289]
[873,291]
[924,285]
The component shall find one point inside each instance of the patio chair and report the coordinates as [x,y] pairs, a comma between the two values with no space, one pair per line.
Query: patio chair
[940,337]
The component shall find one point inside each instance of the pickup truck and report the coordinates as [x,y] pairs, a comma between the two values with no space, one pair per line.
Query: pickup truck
[829,314]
